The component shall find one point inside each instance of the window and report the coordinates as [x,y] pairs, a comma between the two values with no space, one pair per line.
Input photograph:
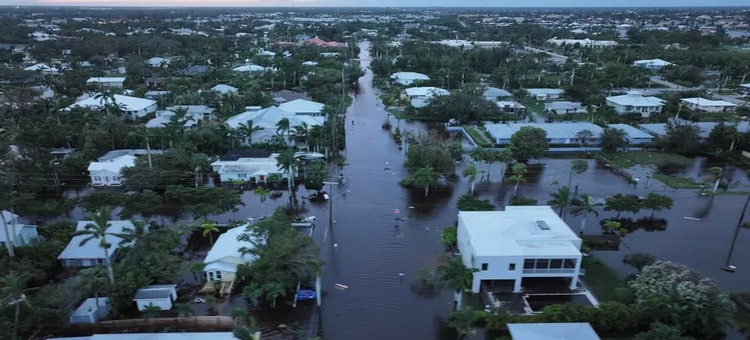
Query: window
[528,264]
[512,266]
[218,275]
[484,266]
[99,261]
[542,264]
[570,263]
[97,179]
[555,263]
[242,175]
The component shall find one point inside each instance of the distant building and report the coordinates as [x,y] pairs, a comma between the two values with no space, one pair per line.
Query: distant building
[91,311]
[505,247]
[303,107]
[582,42]
[557,133]
[635,102]
[43,69]
[545,94]
[511,107]
[634,136]
[224,89]
[652,64]
[252,68]
[158,62]
[745,89]
[14,229]
[564,107]
[284,96]
[494,93]
[708,105]
[408,78]
[253,168]
[132,106]
[162,296]
[222,260]
[421,96]
[91,254]
[106,82]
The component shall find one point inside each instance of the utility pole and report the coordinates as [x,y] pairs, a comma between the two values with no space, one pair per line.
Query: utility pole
[727,267]
[330,204]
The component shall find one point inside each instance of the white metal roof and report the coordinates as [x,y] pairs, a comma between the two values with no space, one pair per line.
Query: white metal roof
[89,305]
[656,62]
[252,68]
[41,67]
[302,106]
[631,131]
[495,92]
[426,91]
[267,119]
[114,165]
[224,88]
[227,245]
[409,76]
[509,103]
[105,80]
[707,102]
[251,166]
[157,336]
[515,232]
[635,98]
[545,91]
[91,250]
[552,331]
[554,130]
[563,105]
[130,104]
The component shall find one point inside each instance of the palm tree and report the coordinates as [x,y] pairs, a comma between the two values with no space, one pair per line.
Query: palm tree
[582,205]
[424,178]
[98,229]
[560,199]
[583,138]
[577,166]
[151,311]
[209,227]
[106,98]
[715,172]
[262,193]
[202,166]
[92,281]
[183,310]
[456,276]
[518,170]
[130,235]
[287,163]
[273,290]
[471,173]
[282,126]
[239,315]
[12,293]
[302,132]
[247,129]
[463,321]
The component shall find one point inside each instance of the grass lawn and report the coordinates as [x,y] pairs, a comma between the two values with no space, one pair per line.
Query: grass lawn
[536,106]
[675,182]
[601,279]
[629,159]
[478,136]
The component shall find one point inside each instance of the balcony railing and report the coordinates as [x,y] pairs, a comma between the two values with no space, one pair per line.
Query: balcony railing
[549,271]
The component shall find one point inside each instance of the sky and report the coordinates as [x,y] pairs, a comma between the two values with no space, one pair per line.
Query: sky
[381,3]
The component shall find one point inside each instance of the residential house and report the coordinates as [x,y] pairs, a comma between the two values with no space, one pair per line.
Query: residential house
[43,69]
[91,311]
[409,78]
[154,95]
[322,43]
[284,96]
[708,105]
[158,62]
[303,107]
[194,114]
[552,330]
[634,136]
[421,96]
[131,106]
[61,154]
[90,254]
[106,82]
[506,247]
[252,68]
[545,94]
[224,89]
[162,296]
[267,119]
[557,133]
[158,336]
[193,70]
[581,42]
[222,260]
[109,172]
[652,64]
[156,82]
[330,54]
[564,107]
[14,229]
[511,107]
[704,128]
[493,93]
[745,89]
[635,102]
[247,166]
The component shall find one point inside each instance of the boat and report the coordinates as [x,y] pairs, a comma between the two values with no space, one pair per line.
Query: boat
[305,294]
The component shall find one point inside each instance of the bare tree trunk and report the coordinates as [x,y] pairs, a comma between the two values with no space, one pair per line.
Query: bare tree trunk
[110,272]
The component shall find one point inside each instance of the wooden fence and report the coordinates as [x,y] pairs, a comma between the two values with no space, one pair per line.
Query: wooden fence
[188,324]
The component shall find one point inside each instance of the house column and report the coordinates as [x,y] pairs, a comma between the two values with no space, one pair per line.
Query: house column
[574,278]
[517,285]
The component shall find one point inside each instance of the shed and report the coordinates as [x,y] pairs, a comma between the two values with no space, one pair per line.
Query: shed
[161,296]
[88,312]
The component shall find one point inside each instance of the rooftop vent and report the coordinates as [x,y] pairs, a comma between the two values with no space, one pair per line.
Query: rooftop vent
[542,225]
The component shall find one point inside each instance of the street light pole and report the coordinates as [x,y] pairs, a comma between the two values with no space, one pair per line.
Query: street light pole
[727,267]
[330,204]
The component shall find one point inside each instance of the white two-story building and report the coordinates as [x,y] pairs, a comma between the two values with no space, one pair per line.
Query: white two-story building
[520,242]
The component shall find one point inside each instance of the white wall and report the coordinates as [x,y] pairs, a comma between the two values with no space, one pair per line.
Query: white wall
[164,304]
[105,178]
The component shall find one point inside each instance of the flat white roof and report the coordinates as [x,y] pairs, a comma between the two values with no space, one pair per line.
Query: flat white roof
[554,130]
[129,103]
[302,106]
[552,331]
[707,102]
[635,98]
[157,336]
[516,232]
[91,250]
[631,131]
[657,61]
[106,80]
[409,76]
[426,91]
[537,92]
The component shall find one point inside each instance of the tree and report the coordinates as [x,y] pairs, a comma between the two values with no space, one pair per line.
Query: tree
[282,126]
[430,150]
[715,172]
[456,276]
[316,174]
[424,178]
[681,138]
[13,291]
[463,321]
[577,166]
[183,310]
[582,205]
[620,203]
[561,200]
[657,202]
[527,143]
[247,129]
[208,228]
[449,238]
[518,170]
[613,140]
[660,331]
[99,229]
[272,291]
[93,281]
[583,138]
[151,311]
[675,295]
[287,163]
[722,137]
[467,202]
[638,260]
[203,201]
[471,174]
[521,200]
